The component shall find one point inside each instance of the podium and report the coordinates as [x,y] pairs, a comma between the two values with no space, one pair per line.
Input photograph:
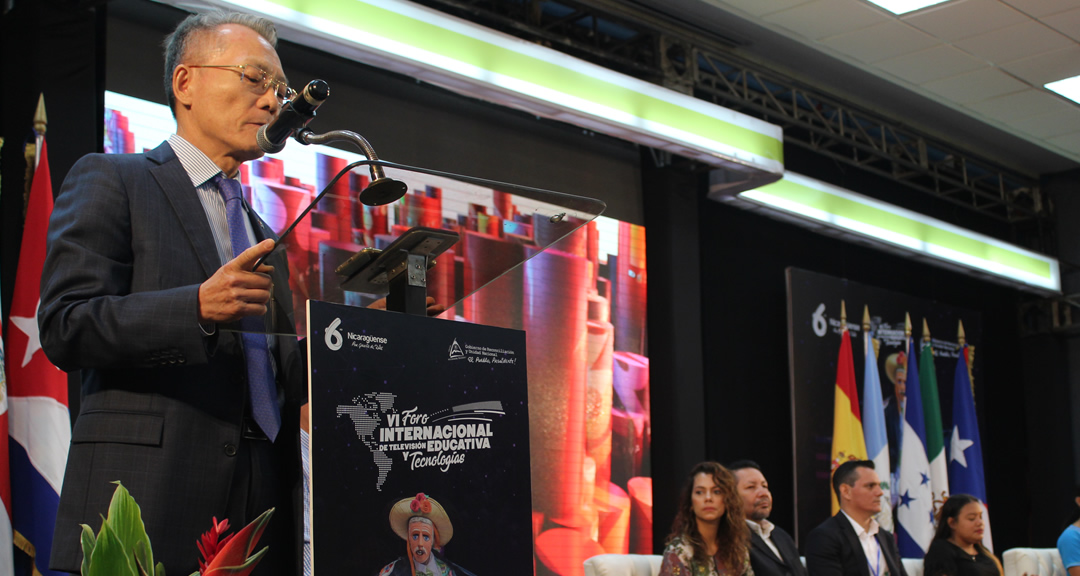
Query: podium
[403,405]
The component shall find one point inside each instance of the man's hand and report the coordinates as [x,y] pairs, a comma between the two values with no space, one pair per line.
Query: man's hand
[433,308]
[234,291]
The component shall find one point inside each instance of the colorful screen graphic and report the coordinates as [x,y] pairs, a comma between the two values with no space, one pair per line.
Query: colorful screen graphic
[582,303]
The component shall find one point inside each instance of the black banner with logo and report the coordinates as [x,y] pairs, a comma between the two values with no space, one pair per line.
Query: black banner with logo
[814,345]
[420,440]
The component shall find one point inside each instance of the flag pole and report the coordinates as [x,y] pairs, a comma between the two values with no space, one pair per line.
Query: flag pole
[907,333]
[32,151]
[866,330]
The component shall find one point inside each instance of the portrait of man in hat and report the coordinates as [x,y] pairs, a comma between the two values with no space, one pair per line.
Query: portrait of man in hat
[423,524]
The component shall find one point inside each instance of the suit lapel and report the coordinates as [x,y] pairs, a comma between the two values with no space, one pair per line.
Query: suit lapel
[262,231]
[886,553]
[853,542]
[759,543]
[177,188]
[786,547]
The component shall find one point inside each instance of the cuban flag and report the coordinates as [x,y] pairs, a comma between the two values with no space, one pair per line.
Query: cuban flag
[965,448]
[915,506]
[39,425]
[877,442]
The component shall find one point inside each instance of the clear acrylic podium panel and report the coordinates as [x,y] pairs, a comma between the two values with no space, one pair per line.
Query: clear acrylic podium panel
[500,225]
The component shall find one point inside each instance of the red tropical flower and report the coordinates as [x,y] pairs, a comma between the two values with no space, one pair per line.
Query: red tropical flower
[231,555]
[212,541]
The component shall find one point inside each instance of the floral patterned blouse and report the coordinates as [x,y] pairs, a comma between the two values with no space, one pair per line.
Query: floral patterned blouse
[679,561]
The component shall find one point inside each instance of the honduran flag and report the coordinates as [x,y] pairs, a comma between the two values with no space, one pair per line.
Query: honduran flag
[39,424]
[915,507]
[877,442]
[847,440]
[965,448]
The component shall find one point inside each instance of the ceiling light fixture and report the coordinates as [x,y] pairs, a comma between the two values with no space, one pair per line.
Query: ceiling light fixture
[1069,88]
[833,210]
[900,7]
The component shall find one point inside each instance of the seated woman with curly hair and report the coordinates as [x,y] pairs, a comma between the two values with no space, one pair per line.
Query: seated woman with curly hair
[957,548]
[709,536]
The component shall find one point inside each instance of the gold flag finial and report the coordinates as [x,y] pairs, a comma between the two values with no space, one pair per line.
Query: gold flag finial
[925,331]
[961,338]
[866,318]
[843,316]
[41,120]
[907,325]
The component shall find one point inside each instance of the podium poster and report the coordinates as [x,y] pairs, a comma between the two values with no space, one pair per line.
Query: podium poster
[417,417]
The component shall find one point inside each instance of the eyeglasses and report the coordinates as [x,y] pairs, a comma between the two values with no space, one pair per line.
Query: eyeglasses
[257,80]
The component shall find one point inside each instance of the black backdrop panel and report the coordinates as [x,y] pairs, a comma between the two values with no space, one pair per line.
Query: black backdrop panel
[814,333]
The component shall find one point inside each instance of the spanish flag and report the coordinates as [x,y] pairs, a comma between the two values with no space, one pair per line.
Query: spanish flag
[847,440]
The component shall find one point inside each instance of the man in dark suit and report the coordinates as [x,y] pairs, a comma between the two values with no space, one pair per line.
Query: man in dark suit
[851,543]
[772,551]
[147,279]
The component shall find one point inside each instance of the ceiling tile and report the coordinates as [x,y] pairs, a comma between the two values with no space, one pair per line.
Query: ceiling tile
[881,42]
[1039,8]
[1047,67]
[1024,39]
[1018,105]
[1051,124]
[971,87]
[957,20]
[757,7]
[823,18]
[1068,23]
[939,61]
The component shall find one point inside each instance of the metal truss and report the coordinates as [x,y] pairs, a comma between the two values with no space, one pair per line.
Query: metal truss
[1059,315]
[644,43]
[876,144]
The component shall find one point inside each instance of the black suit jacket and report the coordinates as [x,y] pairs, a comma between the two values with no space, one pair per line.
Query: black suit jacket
[765,562]
[833,549]
[162,404]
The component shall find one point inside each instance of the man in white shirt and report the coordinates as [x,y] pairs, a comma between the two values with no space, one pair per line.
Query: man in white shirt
[851,543]
[772,551]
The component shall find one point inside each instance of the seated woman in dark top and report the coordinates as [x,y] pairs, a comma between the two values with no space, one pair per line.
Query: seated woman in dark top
[957,549]
[709,536]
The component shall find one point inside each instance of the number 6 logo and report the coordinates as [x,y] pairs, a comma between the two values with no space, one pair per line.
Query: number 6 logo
[333,337]
[820,326]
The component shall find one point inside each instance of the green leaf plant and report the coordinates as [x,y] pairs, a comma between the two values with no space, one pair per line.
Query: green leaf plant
[122,548]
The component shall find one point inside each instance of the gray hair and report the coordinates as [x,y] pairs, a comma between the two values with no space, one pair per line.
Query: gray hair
[179,41]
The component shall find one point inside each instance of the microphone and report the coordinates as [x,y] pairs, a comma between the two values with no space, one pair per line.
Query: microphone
[294,116]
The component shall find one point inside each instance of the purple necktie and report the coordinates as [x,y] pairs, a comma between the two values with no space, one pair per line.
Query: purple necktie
[263,391]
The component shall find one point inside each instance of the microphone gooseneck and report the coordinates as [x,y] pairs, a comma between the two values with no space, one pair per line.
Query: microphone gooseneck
[381,190]
[294,116]
[293,120]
